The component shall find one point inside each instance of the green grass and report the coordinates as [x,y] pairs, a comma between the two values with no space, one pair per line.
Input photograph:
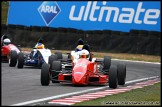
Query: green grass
[4,11]
[126,56]
[149,95]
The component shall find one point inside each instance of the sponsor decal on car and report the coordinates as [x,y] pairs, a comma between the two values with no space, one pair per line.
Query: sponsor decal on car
[78,72]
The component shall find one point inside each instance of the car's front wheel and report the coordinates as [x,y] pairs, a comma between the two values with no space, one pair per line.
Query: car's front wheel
[45,74]
[113,80]
[121,68]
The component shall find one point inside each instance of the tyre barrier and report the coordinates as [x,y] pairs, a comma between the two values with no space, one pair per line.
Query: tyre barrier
[71,30]
[135,41]
[80,32]
[91,32]
[20,27]
[4,26]
[11,26]
[124,33]
[36,28]
[142,35]
[107,32]
[115,32]
[143,32]
[63,30]
[51,29]
[27,28]
[141,45]
[44,29]
[134,32]
[154,34]
[98,32]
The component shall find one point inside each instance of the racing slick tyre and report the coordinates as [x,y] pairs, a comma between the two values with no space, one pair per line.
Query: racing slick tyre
[55,70]
[20,60]
[45,74]
[121,68]
[113,80]
[51,59]
[13,58]
[107,64]
[59,55]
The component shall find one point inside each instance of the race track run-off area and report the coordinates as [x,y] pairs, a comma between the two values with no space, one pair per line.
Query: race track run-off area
[74,99]
[23,86]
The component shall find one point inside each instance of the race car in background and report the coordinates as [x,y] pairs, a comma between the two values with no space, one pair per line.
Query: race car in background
[28,60]
[83,71]
[9,51]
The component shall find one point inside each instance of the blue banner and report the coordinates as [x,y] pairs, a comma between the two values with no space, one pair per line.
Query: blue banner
[87,15]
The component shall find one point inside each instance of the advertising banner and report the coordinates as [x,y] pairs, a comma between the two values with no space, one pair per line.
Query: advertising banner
[87,15]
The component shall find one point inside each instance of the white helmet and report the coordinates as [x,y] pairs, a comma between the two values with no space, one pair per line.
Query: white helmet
[6,41]
[84,54]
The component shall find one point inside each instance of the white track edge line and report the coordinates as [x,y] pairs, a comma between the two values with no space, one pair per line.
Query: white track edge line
[137,61]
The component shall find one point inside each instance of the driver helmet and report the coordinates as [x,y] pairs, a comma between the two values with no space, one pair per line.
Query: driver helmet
[40,41]
[84,54]
[79,48]
[80,42]
[6,41]
[40,46]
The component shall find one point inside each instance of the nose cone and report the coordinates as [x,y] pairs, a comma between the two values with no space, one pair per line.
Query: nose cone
[79,73]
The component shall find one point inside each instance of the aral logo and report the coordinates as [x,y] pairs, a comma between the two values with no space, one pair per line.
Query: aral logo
[48,11]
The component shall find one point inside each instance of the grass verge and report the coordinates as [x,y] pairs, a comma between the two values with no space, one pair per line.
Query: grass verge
[147,96]
[125,56]
[4,11]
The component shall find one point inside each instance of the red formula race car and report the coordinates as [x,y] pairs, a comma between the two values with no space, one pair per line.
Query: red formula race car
[83,71]
[9,51]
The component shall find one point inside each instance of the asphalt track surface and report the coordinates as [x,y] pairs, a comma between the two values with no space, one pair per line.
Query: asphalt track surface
[21,85]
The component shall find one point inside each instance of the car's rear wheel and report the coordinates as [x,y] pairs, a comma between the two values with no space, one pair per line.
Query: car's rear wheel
[106,64]
[121,68]
[12,58]
[113,80]
[51,59]
[55,70]
[20,60]
[45,74]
